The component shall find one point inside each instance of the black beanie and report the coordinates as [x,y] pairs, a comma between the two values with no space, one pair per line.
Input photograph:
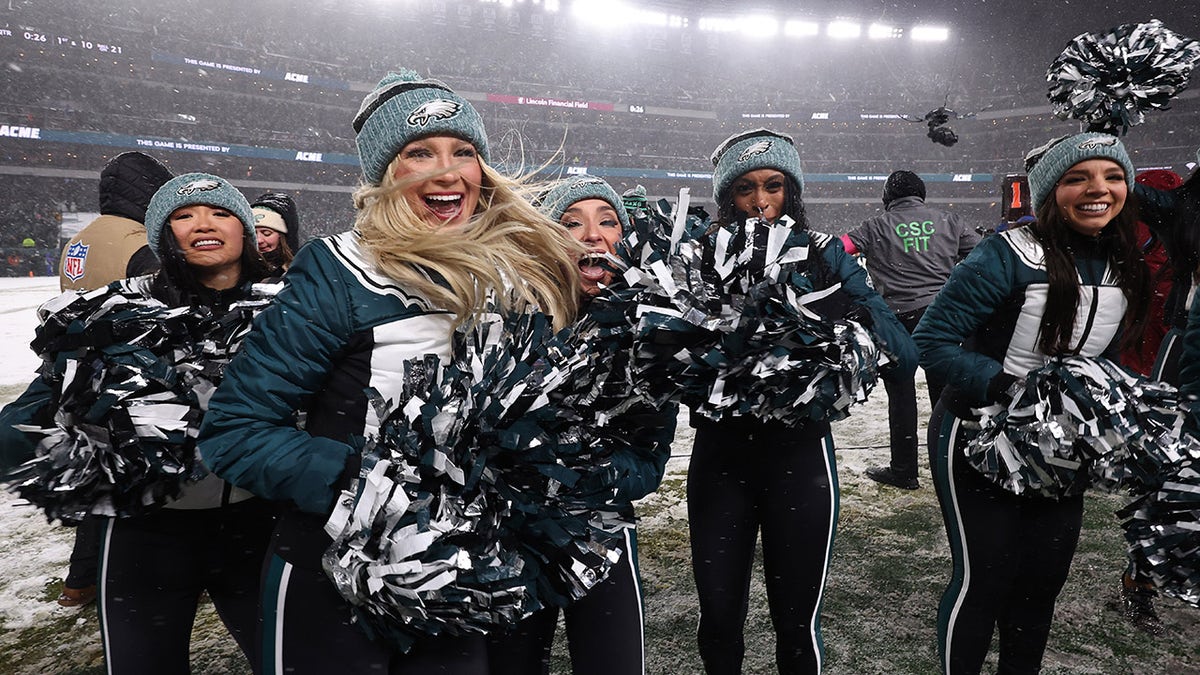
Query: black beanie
[283,205]
[903,184]
[128,182]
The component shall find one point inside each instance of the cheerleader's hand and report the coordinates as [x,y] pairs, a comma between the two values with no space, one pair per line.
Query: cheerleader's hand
[860,315]
[1003,388]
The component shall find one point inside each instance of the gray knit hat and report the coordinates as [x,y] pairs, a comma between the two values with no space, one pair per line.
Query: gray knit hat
[1047,163]
[194,188]
[404,108]
[750,150]
[566,192]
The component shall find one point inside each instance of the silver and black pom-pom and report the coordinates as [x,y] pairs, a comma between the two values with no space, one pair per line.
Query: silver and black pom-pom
[1162,527]
[1079,422]
[133,378]
[486,494]
[723,322]
[1110,79]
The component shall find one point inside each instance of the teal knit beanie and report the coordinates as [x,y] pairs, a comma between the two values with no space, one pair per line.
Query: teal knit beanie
[404,108]
[195,188]
[750,150]
[1058,156]
[566,192]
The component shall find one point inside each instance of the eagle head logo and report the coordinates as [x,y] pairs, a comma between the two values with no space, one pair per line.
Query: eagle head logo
[586,184]
[755,149]
[1102,141]
[437,109]
[201,185]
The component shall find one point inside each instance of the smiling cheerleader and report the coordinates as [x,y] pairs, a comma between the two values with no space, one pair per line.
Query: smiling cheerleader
[441,241]
[114,413]
[1073,284]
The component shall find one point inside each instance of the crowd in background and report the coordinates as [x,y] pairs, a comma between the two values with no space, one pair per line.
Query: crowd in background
[142,91]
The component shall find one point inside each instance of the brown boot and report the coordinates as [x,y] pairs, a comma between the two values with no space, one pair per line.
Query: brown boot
[1138,599]
[77,597]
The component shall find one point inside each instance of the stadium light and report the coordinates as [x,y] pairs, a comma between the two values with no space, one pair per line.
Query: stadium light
[879,31]
[753,25]
[550,5]
[930,33]
[758,26]
[843,29]
[609,13]
[717,24]
[797,29]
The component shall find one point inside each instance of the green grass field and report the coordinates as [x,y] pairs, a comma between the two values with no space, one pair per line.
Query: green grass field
[890,564]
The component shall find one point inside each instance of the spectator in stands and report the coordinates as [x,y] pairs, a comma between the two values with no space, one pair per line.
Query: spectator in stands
[605,628]
[212,537]
[910,249]
[277,223]
[109,248]
[356,306]
[749,474]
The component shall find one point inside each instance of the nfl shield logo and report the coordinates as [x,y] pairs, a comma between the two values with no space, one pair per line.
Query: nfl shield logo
[74,260]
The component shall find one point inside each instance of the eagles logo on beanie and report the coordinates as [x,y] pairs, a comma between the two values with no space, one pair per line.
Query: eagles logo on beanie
[264,217]
[1047,163]
[750,150]
[404,108]
[190,189]
[563,194]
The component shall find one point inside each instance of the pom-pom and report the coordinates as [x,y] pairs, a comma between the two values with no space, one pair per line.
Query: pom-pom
[1111,79]
[133,378]
[1079,422]
[1162,528]
[725,322]
[401,75]
[482,498]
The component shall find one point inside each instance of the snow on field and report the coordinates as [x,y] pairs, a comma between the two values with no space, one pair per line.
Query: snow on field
[19,300]
[33,551]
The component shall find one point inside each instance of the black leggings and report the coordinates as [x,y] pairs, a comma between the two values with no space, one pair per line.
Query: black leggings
[604,629]
[1011,557]
[153,569]
[745,477]
[307,629]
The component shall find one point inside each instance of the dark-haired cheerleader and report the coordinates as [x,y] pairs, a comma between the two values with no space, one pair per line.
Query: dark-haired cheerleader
[749,475]
[1071,284]
[127,377]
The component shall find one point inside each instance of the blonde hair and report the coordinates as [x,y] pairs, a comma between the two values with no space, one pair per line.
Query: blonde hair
[508,252]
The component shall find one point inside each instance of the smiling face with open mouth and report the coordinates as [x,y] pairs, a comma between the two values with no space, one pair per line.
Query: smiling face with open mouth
[211,239]
[1090,194]
[446,175]
[595,223]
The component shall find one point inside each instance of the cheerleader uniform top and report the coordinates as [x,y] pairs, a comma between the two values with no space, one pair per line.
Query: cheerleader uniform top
[339,328]
[986,319]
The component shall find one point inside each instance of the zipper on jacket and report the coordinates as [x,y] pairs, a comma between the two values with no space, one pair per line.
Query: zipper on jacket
[1091,319]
